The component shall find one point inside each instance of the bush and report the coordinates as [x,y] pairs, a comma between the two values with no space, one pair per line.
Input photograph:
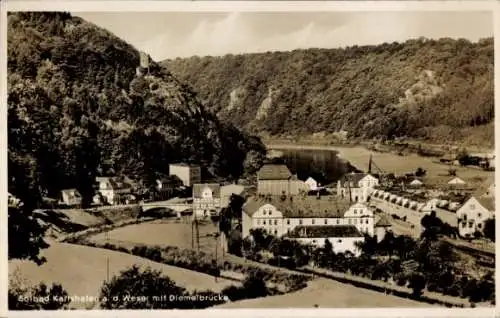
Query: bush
[417,283]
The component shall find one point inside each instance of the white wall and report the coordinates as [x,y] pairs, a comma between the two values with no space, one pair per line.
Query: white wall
[476,217]
[340,244]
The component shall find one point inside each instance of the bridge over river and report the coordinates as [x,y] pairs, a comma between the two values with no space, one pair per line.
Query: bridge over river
[176,205]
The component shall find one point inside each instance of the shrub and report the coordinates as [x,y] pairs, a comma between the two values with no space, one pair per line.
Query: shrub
[417,283]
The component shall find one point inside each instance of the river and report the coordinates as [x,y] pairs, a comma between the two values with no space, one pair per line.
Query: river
[323,165]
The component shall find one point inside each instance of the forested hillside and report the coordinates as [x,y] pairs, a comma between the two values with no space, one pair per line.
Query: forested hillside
[77,108]
[435,90]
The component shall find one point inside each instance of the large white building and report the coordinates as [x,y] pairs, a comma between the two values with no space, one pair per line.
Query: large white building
[189,174]
[358,185]
[475,211]
[281,216]
[206,199]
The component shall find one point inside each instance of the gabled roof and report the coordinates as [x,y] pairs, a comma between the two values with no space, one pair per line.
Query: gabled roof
[487,202]
[229,189]
[116,183]
[172,179]
[301,207]
[383,222]
[324,231]
[199,187]
[71,192]
[274,172]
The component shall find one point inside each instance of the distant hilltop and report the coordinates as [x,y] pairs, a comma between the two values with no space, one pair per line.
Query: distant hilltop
[440,91]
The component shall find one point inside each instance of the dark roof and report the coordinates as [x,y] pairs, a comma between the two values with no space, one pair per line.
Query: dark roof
[352,177]
[383,222]
[324,231]
[487,202]
[301,207]
[198,189]
[274,172]
[116,183]
[182,164]
[172,179]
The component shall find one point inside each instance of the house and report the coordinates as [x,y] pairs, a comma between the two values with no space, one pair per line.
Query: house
[344,238]
[456,181]
[415,183]
[188,173]
[473,214]
[357,186]
[114,190]
[228,190]
[279,216]
[166,186]
[206,199]
[276,179]
[381,227]
[70,197]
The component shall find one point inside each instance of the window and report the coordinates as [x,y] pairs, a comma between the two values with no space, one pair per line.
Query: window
[470,225]
[340,241]
[480,226]
[264,212]
[264,222]
[275,232]
[338,221]
[349,221]
[472,206]
[288,222]
[270,212]
[258,222]
[366,221]
[312,221]
[326,221]
[314,241]
[355,211]
[300,221]
[479,215]
[355,221]
[275,222]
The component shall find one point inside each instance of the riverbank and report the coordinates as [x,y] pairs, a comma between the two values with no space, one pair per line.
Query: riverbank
[390,162]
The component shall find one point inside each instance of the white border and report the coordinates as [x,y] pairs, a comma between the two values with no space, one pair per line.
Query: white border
[228,6]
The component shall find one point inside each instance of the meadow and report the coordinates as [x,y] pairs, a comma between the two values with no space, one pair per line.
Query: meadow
[82,270]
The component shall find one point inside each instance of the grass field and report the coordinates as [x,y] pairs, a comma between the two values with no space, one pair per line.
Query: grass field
[162,233]
[82,270]
[325,293]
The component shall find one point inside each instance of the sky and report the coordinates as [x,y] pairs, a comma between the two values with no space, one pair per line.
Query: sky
[167,35]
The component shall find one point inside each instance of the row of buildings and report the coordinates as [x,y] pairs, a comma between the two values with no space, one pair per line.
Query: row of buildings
[122,190]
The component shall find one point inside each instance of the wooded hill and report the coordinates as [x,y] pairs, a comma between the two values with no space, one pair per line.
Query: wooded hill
[77,109]
[435,90]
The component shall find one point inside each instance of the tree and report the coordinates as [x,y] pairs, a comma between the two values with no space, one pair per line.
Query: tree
[489,229]
[26,235]
[417,283]
[21,296]
[420,172]
[433,226]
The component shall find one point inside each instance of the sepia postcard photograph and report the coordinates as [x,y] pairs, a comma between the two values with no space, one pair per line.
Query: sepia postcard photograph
[214,156]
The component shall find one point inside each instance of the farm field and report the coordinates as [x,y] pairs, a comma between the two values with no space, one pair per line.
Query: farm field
[161,233]
[325,293]
[390,162]
[81,271]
